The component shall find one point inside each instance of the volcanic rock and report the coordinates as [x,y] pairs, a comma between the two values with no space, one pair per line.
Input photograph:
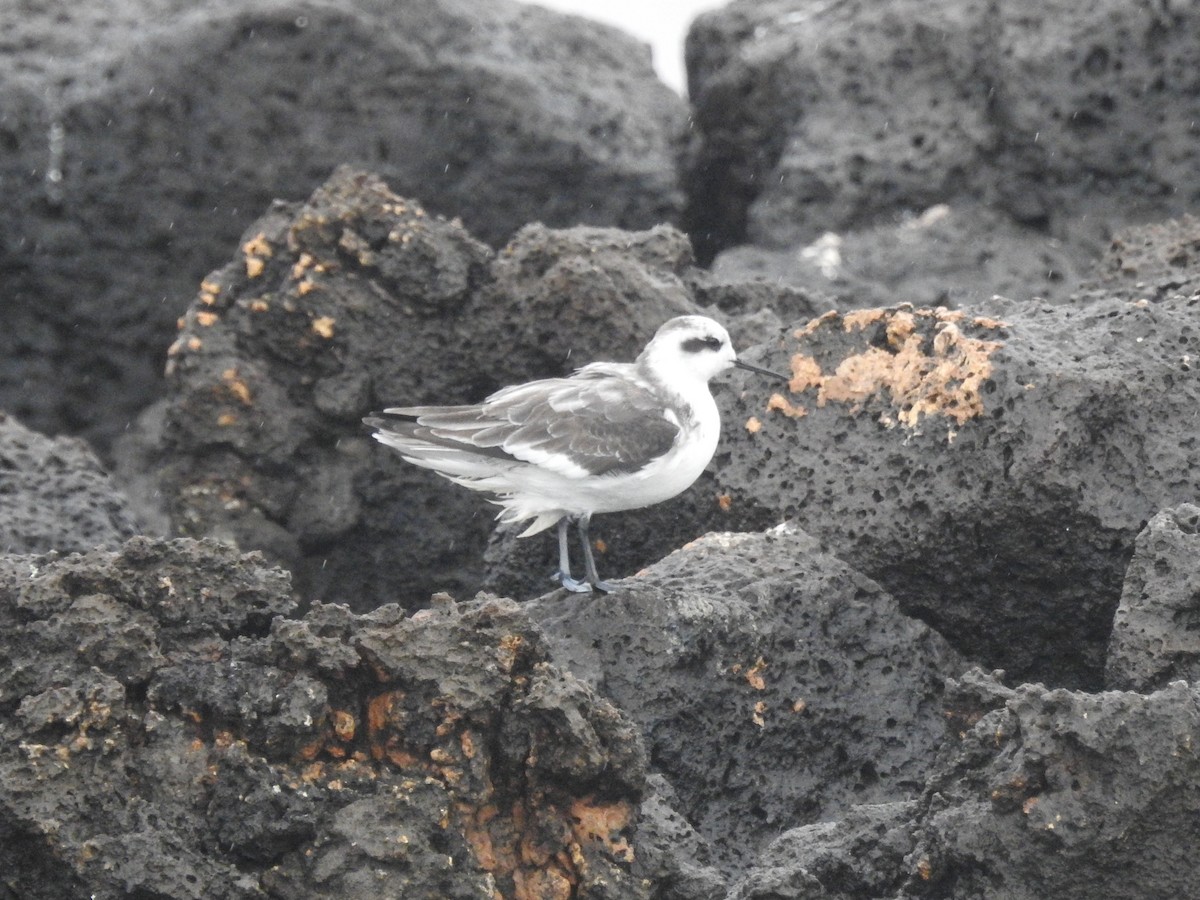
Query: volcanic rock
[1038,793]
[991,470]
[1029,120]
[143,137]
[1154,636]
[359,300]
[1053,793]
[55,495]
[774,685]
[170,730]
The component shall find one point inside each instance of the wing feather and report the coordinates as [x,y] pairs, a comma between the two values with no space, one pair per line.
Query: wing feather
[589,424]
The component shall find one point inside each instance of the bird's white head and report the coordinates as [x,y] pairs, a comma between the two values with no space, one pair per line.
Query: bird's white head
[688,349]
[693,349]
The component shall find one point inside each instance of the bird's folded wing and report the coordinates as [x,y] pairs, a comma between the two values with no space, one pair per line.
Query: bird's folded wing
[574,426]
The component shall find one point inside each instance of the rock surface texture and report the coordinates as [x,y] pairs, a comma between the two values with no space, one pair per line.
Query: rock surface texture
[172,731]
[990,468]
[1027,121]
[1053,793]
[143,136]
[772,682]
[925,628]
[358,300]
[1154,637]
[55,495]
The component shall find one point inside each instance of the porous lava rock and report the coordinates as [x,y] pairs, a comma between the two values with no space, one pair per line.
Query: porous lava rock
[143,137]
[1036,793]
[1150,262]
[861,854]
[775,686]
[945,255]
[55,495]
[359,300]
[329,306]
[1055,793]
[991,470]
[1154,637]
[1043,127]
[170,728]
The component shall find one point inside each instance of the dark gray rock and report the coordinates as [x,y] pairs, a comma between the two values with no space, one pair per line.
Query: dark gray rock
[671,854]
[840,117]
[329,307]
[1053,793]
[1037,793]
[560,298]
[167,730]
[945,256]
[992,475]
[1154,635]
[775,686]
[860,855]
[55,495]
[360,300]
[143,137]
[1152,261]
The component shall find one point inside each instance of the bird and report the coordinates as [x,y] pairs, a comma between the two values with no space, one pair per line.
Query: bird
[610,437]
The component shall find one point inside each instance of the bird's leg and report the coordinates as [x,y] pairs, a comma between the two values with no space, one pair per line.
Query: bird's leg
[589,562]
[563,575]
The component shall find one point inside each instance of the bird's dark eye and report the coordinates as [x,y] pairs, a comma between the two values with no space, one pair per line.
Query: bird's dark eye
[695,345]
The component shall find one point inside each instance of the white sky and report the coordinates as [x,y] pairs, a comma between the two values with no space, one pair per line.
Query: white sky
[660,23]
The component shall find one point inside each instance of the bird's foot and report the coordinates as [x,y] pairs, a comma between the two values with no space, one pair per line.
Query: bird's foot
[571,584]
[605,586]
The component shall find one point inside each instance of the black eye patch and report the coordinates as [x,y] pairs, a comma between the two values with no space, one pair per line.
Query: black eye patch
[695,345]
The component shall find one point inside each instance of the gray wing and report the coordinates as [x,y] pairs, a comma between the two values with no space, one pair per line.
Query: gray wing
[589,424]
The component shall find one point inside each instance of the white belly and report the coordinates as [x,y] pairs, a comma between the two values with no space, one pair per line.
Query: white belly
[530,492]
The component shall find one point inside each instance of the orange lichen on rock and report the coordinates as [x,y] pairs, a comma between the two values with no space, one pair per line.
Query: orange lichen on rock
[469,747]
[923,375]
[541,850]
[986,322]
[385,721]
[725,502]
[814,324]
[237,387]
[753,425]
[323,326]
[806,373]
[542,884]
[510,648]
[257,246]
[861,318]
[208,292]
[344,724]
[780,403]
[256,250]
[477,831]
[527,848]
[302,265]
[754,675]
[603,823]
